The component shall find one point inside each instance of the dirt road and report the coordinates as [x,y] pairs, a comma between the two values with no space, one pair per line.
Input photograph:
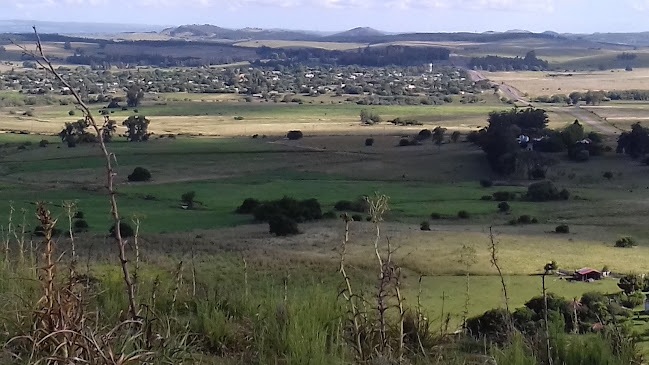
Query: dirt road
[592,120]
[509,91]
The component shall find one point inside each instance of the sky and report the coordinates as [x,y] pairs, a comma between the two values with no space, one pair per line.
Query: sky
[572,16]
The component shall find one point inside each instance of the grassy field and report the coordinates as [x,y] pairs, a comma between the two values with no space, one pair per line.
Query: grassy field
[331,165]
[544,84]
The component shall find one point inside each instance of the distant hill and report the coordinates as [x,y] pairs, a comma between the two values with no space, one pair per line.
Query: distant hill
[632,39]
[213,32]
[359,32]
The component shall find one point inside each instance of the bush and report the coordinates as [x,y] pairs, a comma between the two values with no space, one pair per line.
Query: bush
[564,194]
[424,134]
[188,199]
[78,215]
[545,191]
[632,300]
[294,135]
[425,226]
[525,219]
[503,196]
[562,228]
[43,143]
[125,230]
[463,214]
[248,206]
[359,205]
[71,113]
[504,207]
[404,142]
[329,215]
[608,175]
[486,183]
[625,242]
[281,225]
[80,225]
[299,211]
[435,216]
[357,218]
[369,142]
[486,197]
[139,174]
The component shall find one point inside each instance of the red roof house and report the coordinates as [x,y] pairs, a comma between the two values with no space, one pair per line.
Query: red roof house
[586,274]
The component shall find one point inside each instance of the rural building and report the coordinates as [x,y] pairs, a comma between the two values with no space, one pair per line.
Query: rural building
[587,274]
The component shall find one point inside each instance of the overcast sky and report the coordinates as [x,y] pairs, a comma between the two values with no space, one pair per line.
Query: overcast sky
[577,16]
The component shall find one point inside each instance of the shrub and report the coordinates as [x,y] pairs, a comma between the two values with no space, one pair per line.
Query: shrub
[435,216]
[424,134]
[504,207]
[625,242]
[248,206]
[525,219]
[404,142]
[43,143]
[564,194]
[544,191]
[294,135]
[425,226]
[281,225]
[486,197]
[357,218]
[188,199]
[608,175]
[71,113]
[238,117]
[632,300]
[455,136]
[299,211]
[78,215]
[139,174]
[80,225]
[486,183]
[562,228]
[329,215]
[463,214]
[125,230]
[369,141]
[503,196]
[359,205]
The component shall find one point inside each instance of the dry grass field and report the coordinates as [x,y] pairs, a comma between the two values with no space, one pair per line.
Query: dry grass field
[333,46]
[542,83]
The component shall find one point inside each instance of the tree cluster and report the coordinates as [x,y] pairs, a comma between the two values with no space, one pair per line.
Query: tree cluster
[497,63]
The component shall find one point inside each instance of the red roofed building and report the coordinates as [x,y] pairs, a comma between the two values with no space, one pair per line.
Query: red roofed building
[586,274]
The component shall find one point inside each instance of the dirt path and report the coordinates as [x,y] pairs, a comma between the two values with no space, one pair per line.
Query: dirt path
[592,120]
[509,91]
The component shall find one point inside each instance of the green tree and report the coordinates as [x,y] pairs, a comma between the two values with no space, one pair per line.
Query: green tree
[188,199]
[137,128]
[134,95]
[76,132]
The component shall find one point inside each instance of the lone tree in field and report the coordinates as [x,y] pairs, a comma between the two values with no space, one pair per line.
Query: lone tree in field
[76,132]
[134,96]
[188,199]
[137,128]
[438,136]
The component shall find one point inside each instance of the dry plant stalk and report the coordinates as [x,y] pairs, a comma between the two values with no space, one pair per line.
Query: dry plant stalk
[348,293]
[136,243]
[47,272]
[43,61]
[179,279]
[70,210]
[245,278]
[493,253]
[194,273]
[467,259]
[7,236]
